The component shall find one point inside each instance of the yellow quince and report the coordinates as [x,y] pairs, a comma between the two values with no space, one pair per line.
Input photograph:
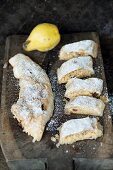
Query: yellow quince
[43,37]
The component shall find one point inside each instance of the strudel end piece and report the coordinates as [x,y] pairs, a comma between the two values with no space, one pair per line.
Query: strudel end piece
[79,129]
[35,105]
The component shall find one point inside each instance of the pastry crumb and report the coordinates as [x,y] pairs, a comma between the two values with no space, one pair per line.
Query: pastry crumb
[64,100]
[104,99]
[57,145]
[53,139]
[67,151]
[57,136]
[109,117]
[101,144]
[5,65]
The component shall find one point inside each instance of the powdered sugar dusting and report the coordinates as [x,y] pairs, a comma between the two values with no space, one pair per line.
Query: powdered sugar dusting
[74,64]
[111,103]
[87,47]
[58,105]
[35,104]
[77,125]
[85,103]
[90,85]
[29,70]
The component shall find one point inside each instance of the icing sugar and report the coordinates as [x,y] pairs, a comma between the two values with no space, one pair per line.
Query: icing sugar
[27,69]
[74,126]
[85,101]
[34,87]
[92,85]
[75,64]
[89,47]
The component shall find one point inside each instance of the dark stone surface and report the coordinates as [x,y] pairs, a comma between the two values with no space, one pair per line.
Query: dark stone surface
[20,16]
[70,16]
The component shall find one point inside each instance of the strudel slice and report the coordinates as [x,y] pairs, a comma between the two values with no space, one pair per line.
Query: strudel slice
[79,129]
[85,105]
[76,67]
[88,87]
[81,48]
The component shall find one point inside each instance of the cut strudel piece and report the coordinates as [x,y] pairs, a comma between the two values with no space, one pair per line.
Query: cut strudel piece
[88,87]
[76,67]
[81,48]
[85,105]
[35,104]
[80,129]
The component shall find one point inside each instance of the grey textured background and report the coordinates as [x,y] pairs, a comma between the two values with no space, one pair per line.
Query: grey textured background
[20,16]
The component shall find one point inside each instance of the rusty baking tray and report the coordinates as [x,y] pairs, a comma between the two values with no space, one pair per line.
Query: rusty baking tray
[19,151]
